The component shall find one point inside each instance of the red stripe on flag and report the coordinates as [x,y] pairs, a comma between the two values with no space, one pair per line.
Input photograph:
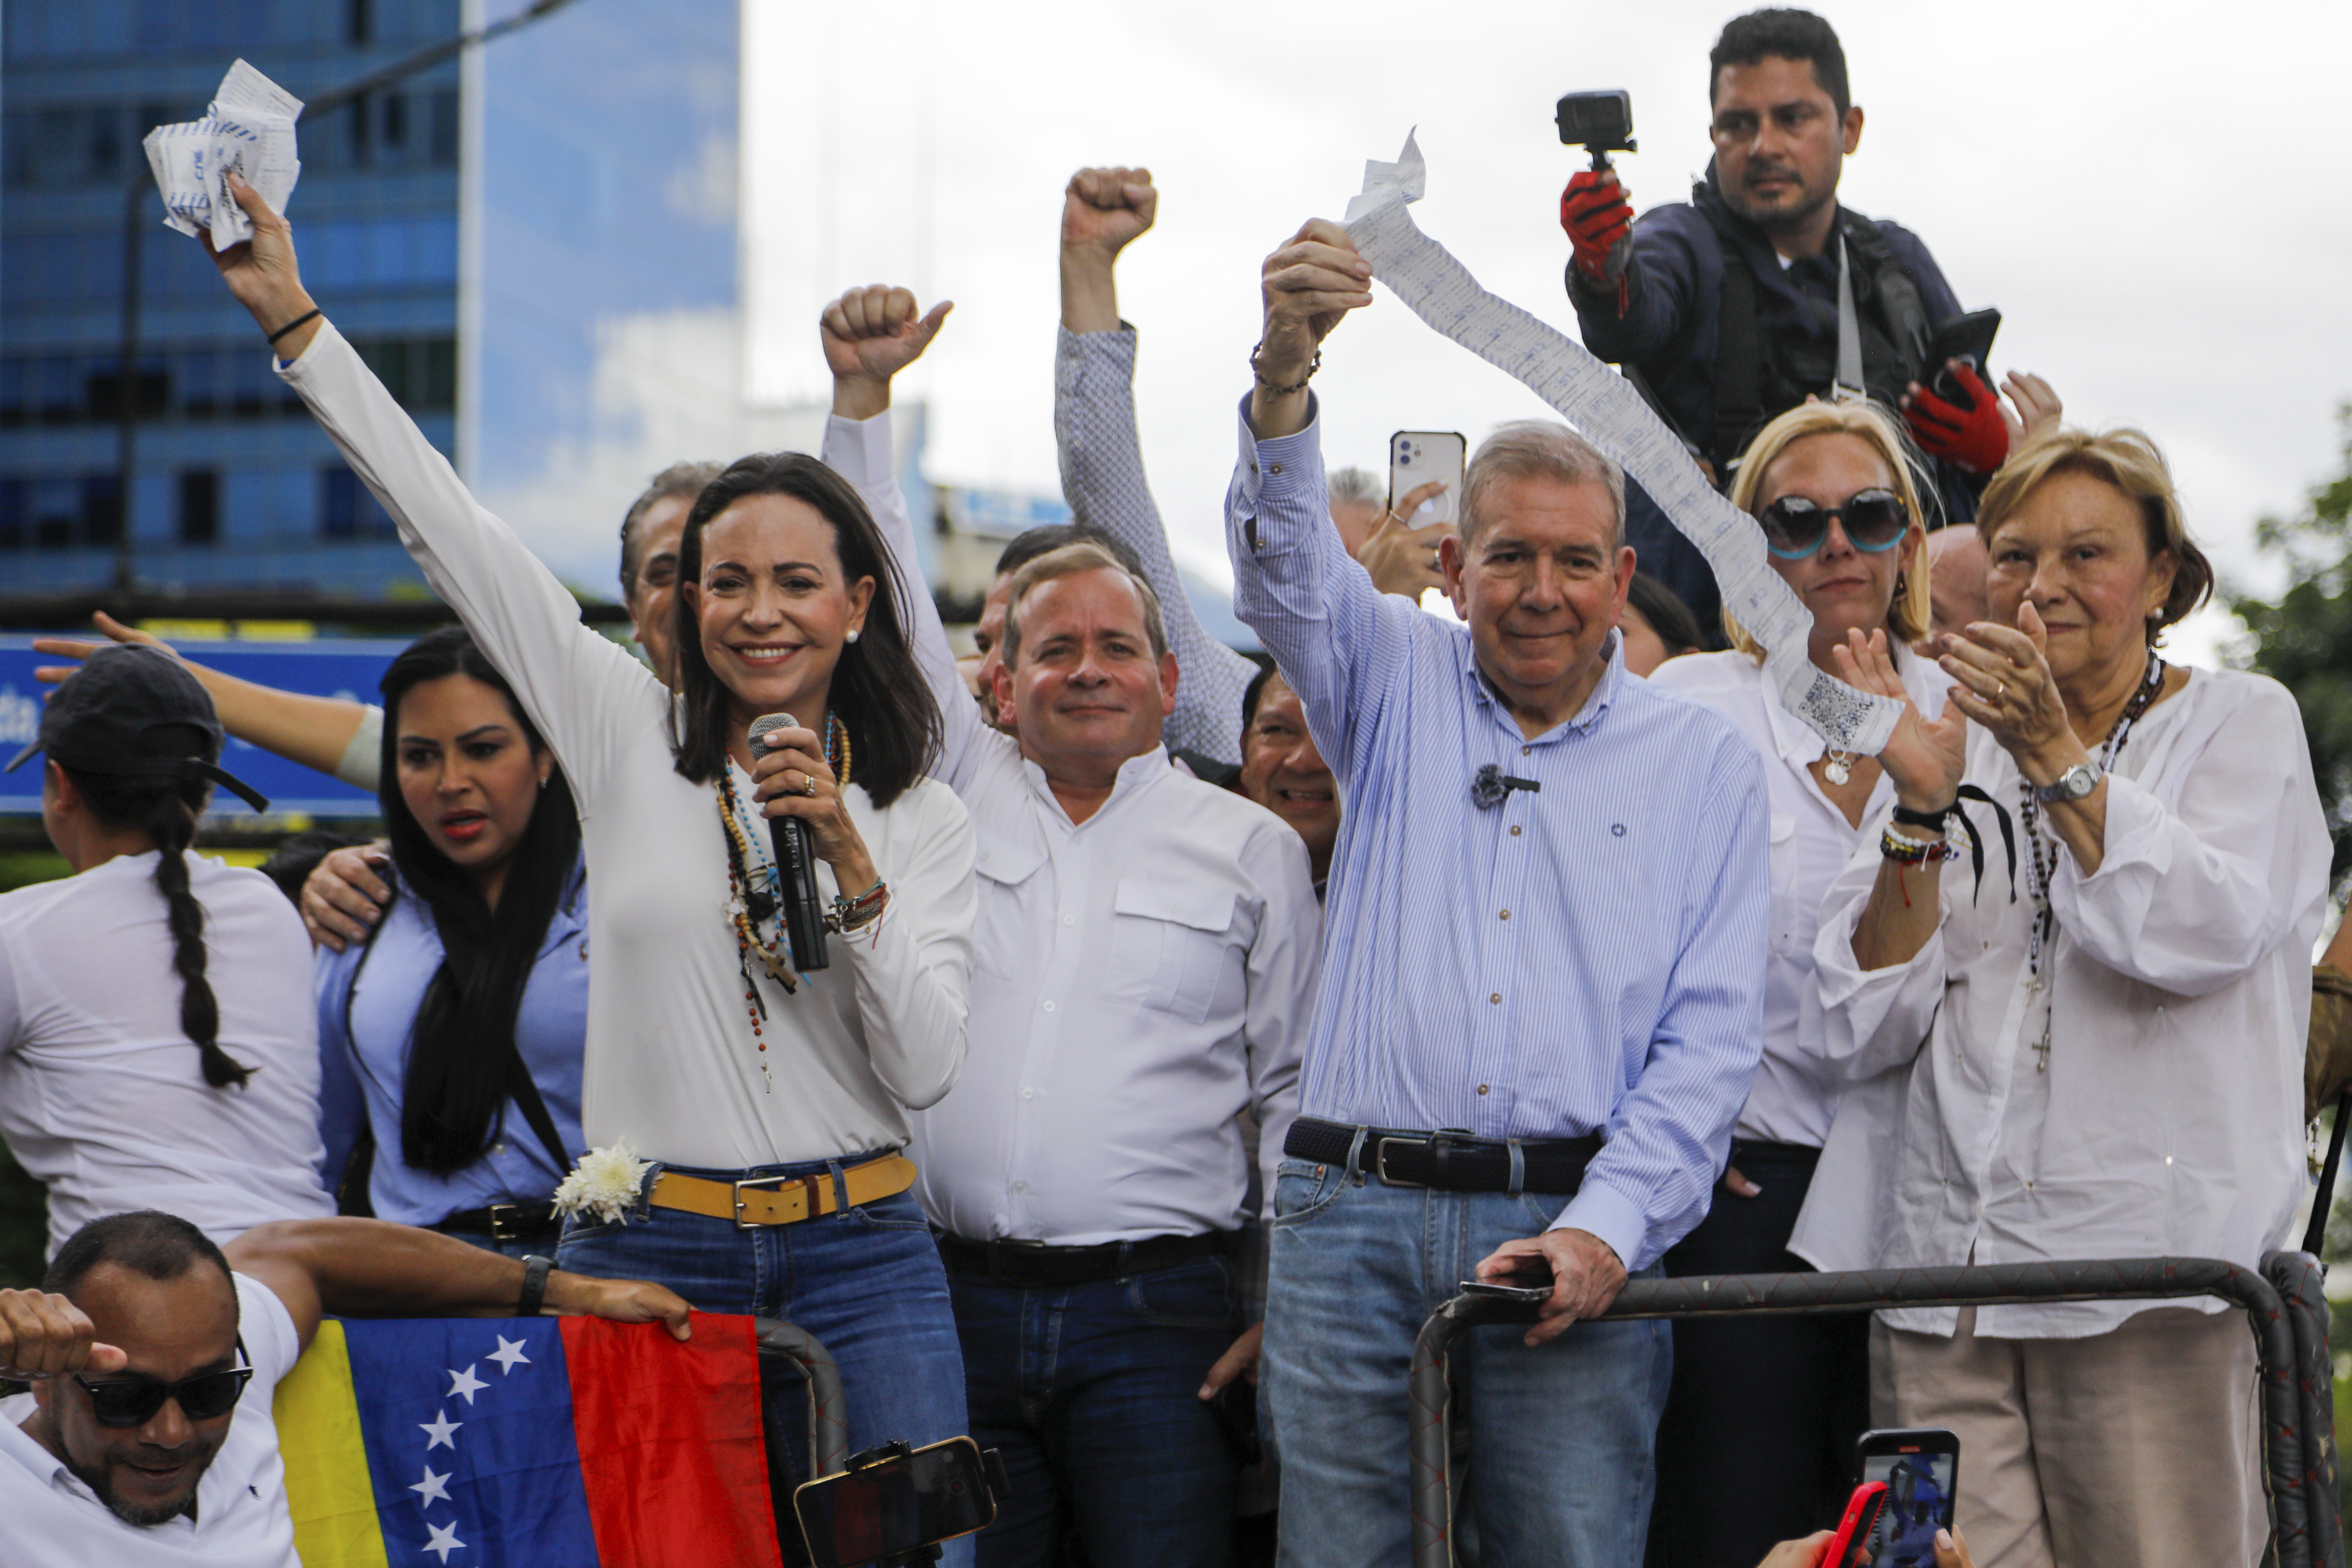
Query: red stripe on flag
[670,1450]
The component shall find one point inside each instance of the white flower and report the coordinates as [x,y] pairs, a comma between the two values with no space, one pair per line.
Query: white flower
[605,1184]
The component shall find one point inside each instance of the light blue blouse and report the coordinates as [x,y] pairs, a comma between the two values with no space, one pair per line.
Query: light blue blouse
[367,1000]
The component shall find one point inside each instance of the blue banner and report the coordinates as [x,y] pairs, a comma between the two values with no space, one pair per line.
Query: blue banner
[349,669]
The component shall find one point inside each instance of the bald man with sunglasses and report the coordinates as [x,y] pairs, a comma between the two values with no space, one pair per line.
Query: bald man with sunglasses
[148,1437]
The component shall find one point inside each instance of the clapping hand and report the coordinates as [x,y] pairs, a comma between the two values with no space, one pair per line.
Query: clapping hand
[1925,758]
[2001,679]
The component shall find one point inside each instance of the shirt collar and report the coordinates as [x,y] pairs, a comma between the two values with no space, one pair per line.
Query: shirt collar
[1136,773]
[1603,693]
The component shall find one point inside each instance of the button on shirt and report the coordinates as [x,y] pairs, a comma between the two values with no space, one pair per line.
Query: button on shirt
[2176,992]
[52,1517]
[1623,995]
[1797,1086]
[103,1094]
[368,999]
[1138,979]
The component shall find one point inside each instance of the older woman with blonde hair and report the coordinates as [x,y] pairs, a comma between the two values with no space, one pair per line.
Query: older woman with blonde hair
[1758,1437]
[2096,1054]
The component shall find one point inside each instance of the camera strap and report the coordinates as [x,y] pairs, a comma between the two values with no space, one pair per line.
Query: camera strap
[1849,387]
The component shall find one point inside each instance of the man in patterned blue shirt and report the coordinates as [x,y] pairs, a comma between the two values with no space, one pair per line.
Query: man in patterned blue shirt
[1542,986]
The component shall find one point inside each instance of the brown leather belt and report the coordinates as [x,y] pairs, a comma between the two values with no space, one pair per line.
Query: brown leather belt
[783,1200]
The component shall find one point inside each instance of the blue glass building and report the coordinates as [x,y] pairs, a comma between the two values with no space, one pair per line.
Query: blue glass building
[494,234]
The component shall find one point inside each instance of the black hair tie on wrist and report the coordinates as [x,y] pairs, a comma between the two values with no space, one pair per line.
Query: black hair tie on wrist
[311,315]
[535,1270]
[1910,818]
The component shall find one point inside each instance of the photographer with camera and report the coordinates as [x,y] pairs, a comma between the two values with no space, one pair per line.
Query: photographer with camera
[1762,290]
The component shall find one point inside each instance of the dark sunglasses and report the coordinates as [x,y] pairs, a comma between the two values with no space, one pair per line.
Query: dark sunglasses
[133,1401]
[1794,527]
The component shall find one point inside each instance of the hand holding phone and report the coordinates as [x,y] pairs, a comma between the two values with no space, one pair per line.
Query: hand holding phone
[1850,1547]
[1919,1467]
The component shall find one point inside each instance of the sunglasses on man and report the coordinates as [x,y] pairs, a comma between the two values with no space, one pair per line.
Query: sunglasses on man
[133,1401]
[1875,520]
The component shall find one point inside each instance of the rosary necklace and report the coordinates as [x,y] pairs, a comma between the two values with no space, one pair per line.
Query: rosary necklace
[2041,870]
[752,897]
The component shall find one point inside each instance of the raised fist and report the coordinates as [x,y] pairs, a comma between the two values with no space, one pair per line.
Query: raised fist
[1105,208]
[873,334]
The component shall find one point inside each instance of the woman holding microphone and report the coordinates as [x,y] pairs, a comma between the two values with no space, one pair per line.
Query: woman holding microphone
[2096,1055]
[768,1105]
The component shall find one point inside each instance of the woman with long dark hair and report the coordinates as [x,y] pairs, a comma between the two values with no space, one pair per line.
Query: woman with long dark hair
[149,1055]
[747,1116]
[450,1040]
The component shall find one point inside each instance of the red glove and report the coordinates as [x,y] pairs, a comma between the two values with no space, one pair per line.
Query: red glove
[1599,224]
[1972,436]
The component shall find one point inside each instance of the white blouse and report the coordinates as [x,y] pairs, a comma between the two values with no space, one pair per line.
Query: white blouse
[671,1063]
[2176,990]
[1797,1086]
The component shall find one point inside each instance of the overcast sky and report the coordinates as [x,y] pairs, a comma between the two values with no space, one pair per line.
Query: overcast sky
[2154,195]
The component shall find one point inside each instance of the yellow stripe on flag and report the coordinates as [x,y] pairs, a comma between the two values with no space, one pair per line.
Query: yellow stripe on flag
[327,1483]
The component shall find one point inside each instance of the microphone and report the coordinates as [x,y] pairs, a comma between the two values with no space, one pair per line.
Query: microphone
[1491,783]
[803,905]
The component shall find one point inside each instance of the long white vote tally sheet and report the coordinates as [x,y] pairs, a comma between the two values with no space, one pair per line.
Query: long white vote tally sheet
[248,130]
[1605,408]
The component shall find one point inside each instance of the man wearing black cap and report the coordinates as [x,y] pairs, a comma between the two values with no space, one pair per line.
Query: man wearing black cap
[158,1050]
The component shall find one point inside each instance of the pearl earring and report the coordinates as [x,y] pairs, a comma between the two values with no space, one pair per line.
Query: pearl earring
[852,634]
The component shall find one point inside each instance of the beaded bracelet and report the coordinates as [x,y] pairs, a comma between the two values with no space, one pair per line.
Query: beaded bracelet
[1907,850]
[849,916]
[1299,385]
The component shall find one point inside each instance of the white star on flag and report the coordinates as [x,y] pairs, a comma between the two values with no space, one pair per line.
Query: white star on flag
[445,1539]
[508,1355]
[434,1488]
[466,1383]
[437,1431]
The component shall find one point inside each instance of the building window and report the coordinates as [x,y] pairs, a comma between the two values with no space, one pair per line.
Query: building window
[444,135]
[199,506]
[347,509]
[359,21]
[101,508]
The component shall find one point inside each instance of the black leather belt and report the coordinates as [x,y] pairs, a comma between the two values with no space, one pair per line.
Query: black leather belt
[1037,1263]
[1450,1160]
[507,1222]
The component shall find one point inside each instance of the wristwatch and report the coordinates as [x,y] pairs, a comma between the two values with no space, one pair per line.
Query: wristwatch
[2072,785]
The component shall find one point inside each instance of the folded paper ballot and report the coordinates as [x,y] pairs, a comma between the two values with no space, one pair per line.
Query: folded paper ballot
[248,130]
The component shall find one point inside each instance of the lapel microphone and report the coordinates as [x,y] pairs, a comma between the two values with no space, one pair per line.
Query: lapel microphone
[1491,783]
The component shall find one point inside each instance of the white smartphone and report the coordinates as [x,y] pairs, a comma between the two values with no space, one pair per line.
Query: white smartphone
[1417,457]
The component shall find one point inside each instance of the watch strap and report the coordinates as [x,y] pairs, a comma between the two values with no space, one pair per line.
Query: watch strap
[535,1270]
[2063,787]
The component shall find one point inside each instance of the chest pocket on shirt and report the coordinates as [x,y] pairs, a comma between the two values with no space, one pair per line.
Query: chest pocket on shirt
[1000,927]
[1175,938]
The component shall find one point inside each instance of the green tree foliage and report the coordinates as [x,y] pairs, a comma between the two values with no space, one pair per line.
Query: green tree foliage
[2304,640]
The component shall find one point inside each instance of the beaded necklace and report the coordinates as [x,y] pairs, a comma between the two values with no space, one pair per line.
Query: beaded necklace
[2042,868]
[752,895]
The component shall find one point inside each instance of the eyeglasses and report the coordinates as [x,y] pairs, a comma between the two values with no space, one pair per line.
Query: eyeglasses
[1875,520]
[133,1401]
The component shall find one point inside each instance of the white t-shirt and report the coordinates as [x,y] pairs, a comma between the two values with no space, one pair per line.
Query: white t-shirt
[103,1094]
[242,1520]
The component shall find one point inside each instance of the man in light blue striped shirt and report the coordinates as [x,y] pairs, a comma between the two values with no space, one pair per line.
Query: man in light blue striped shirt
[1543,975]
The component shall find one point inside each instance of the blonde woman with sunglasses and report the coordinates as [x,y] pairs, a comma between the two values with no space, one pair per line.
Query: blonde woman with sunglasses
[1759,1431]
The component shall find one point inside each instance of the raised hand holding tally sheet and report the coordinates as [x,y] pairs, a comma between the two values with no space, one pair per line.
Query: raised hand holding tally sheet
[1611,414]
[247,129]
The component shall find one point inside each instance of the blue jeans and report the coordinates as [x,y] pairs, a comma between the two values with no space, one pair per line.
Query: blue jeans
[1091,1392]
[866,1281]
[1560,1435]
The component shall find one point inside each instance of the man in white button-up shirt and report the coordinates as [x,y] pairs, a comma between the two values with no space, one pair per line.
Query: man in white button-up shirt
[1144,966]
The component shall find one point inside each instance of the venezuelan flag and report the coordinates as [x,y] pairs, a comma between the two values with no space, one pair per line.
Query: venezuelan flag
[553,1442]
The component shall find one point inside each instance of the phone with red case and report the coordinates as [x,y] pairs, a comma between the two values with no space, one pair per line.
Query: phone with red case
[1857,1533]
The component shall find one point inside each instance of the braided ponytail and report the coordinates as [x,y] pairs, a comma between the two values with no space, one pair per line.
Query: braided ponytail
[166,807]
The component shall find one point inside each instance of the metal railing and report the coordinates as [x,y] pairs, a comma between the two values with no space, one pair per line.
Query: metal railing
[2282,1304]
